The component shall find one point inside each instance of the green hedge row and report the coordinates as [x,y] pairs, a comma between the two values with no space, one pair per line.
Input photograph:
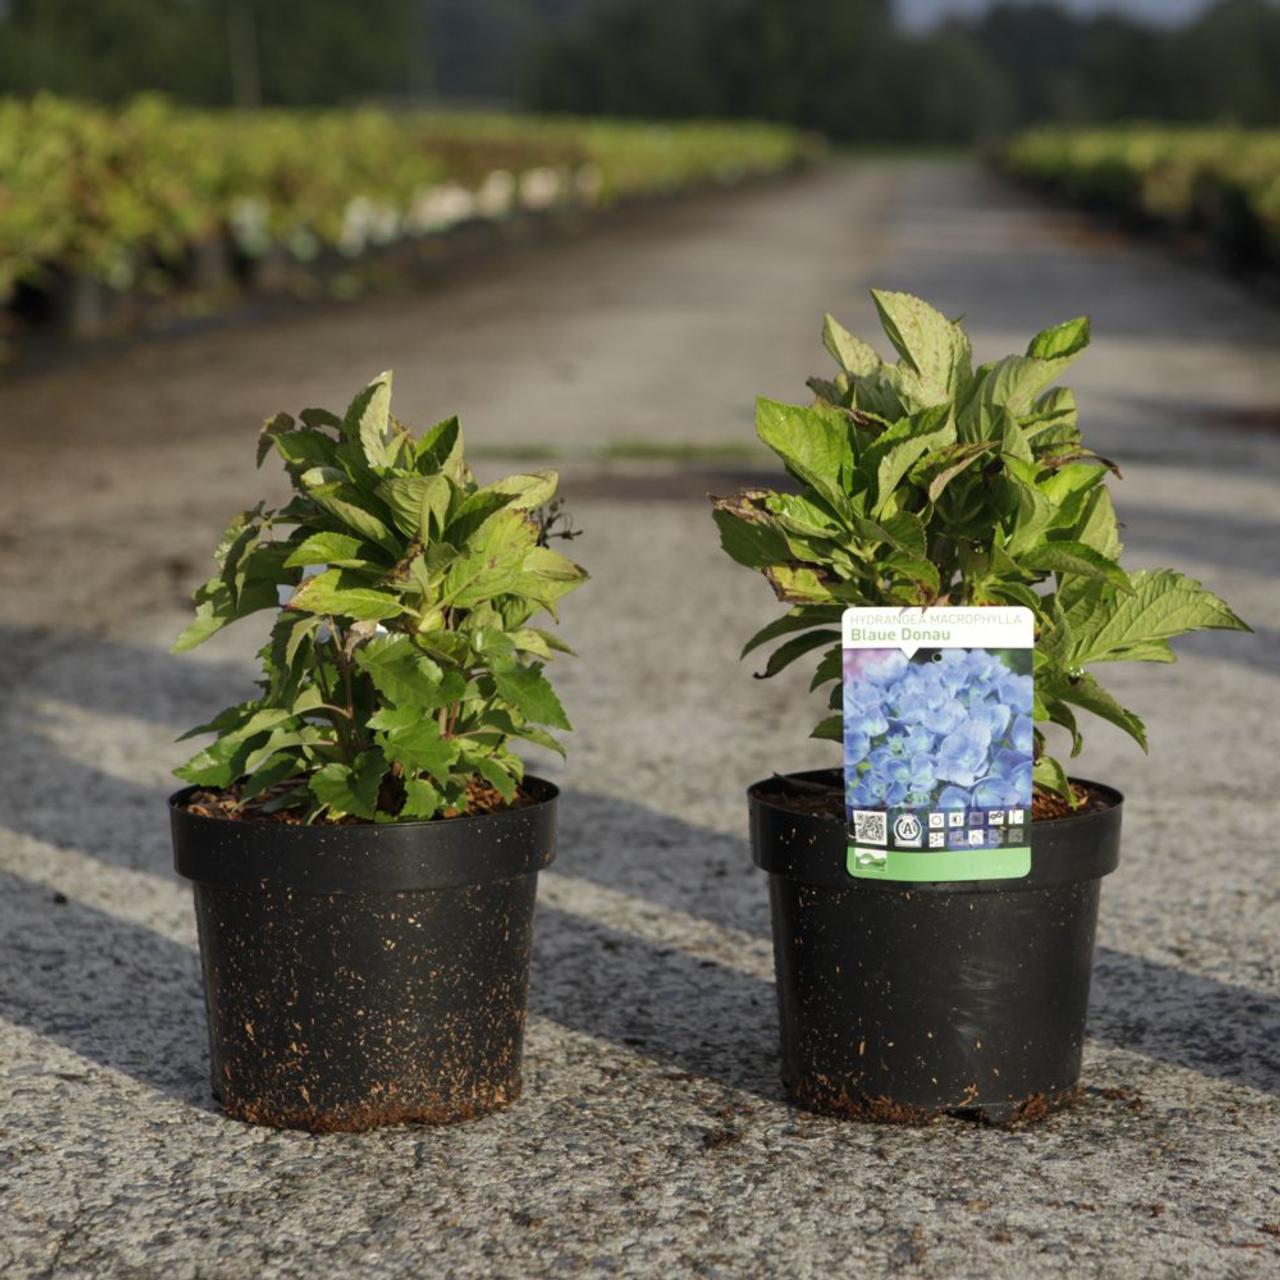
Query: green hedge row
[125,196]
[1221,182]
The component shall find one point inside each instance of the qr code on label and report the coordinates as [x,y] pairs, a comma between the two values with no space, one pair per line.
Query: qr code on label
[870,826]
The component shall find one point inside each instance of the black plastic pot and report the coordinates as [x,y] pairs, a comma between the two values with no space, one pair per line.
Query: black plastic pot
[366,975]
[900,1002]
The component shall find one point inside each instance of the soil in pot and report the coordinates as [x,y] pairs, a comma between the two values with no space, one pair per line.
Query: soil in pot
[902,1002]
[362,974]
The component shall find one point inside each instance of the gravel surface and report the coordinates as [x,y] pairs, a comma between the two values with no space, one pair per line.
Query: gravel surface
[652,1138]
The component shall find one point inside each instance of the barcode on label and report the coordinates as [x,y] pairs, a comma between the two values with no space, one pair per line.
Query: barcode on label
[870,826]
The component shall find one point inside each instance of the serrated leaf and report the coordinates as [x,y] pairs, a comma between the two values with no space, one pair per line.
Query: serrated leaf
[494,774]
[366,420]
[338,592]
[419,505]
[331,491]
[414,742]
[338,550]
[812,443]
[421,799]
[1074,558]
[857,358]
[406,676]
[936,350]
[1161,605]
[526,689]
[351,788]
[1084,691]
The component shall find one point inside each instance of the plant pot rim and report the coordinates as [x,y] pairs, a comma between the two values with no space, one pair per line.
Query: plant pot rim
[366,857]
[811,848]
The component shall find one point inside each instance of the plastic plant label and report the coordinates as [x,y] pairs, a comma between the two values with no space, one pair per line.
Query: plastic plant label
[938,742]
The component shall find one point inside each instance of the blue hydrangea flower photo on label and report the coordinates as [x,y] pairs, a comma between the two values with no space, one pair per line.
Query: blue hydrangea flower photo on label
[938,741]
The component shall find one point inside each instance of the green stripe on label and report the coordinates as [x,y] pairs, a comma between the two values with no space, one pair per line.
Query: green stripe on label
[921,866]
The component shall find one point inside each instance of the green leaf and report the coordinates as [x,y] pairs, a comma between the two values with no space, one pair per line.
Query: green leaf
[961,457]
[1074,558]
[798,619]
[1084,691]
[421,799]
[328,489]
[440,449]
[338,593]
[542,644]
[799,584]
[526,492]
[830,728]
[419,505]
[493,773]
[351,788]
[493,563]
[750,536]
[406,676]
[1049,774]
[783,656]
[222,762]
[215,609]
[812,443]
[1061,342]
[276,426]
[339,550]
[937,350]
[366,421]
[526,689]
[414,742]
[1161,605]
[857,358]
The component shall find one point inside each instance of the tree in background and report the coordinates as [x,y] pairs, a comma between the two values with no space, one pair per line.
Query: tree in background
[210,51]
[842,67]
[838,66]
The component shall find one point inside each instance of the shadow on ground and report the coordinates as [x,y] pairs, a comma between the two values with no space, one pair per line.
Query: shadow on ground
[122,995]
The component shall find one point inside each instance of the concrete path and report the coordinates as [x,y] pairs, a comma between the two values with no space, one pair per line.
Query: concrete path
[652,1139]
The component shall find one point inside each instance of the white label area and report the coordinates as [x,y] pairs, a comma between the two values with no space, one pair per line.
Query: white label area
[950,627]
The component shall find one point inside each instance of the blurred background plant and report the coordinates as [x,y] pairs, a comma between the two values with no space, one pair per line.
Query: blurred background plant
[178,148]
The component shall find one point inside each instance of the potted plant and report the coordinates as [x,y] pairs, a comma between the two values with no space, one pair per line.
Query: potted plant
[363,839]
[928,483]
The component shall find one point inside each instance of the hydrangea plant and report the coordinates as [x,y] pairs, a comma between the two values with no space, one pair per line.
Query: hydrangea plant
[401,663]
[928,481]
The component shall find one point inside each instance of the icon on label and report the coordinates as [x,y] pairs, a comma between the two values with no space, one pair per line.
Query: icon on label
[955,818]
[977,839]
[975,818]
[1015,835]
[996,817]
[937,820]
[1016,817]
[937,839]
[907,830]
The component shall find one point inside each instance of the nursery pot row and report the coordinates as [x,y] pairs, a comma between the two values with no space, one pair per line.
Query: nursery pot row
[374,974]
